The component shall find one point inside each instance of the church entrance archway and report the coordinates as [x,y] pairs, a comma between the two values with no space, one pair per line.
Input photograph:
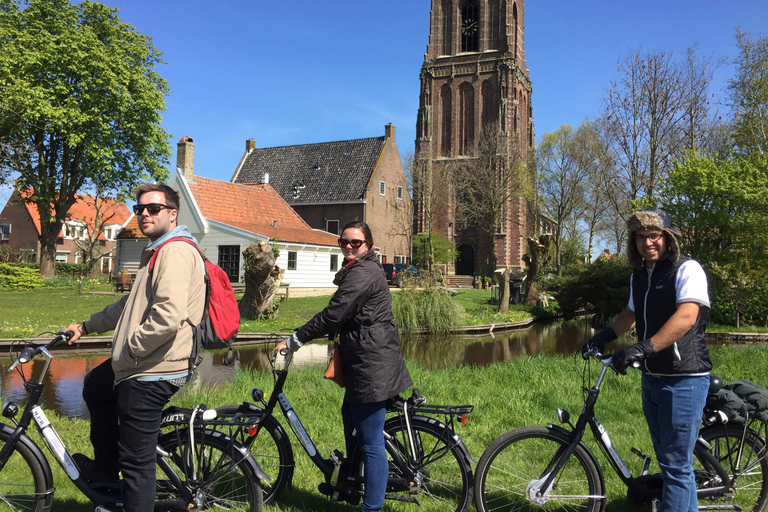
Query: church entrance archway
[465,262]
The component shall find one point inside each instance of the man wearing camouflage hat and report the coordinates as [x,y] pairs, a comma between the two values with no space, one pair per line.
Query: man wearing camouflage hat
[668,306]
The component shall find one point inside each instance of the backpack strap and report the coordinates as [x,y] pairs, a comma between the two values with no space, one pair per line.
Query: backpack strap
[193,360]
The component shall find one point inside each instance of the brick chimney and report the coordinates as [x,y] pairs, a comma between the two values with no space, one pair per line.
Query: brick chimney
[185,157]
[249,145]
[389,131]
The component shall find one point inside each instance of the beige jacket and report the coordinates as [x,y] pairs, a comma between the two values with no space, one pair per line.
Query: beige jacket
[153,333]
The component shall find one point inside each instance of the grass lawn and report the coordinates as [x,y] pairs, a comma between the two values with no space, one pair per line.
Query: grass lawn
[511,394]
[30,312]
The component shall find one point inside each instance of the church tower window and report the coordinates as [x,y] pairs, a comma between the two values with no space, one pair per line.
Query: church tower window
[470,27]
[447,13]
[466,118]
[445,131]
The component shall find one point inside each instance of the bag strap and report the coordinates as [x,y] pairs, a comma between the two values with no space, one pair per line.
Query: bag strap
[195,349]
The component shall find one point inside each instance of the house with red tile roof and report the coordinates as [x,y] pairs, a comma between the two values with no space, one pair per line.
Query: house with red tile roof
[226,217]
[20,228]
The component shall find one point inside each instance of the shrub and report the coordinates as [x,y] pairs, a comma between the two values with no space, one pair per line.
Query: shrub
[431,309]
[602,286]
[19,277]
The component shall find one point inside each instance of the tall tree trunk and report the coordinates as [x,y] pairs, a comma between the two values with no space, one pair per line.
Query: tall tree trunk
[504,292]
[49,236]
[535,259]
[262,277]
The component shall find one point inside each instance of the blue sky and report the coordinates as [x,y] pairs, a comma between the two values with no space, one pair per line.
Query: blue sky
[298,71]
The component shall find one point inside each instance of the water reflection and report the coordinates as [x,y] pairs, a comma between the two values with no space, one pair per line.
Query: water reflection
[64,383]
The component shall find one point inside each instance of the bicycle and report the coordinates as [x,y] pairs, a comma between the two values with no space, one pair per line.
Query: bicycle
[218,473]
[429,463]
[551,468]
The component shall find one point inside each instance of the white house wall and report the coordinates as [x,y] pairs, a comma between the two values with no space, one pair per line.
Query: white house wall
[209,243]
[313,265]
[129,254]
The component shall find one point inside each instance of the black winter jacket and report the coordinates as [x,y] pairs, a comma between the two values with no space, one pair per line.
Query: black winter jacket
[361,312]
[655,300]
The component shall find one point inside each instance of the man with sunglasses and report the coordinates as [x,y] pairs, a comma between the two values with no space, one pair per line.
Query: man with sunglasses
[151,352]
[668,307]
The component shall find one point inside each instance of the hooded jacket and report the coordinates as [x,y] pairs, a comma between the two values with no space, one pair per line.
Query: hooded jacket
[361,312]
[153,324]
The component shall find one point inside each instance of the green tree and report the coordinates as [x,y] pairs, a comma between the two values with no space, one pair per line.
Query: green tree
[79,99]
[720,207]
[749,94]
[442,250]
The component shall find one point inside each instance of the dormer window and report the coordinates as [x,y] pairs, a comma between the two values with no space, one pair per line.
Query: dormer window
[470,27]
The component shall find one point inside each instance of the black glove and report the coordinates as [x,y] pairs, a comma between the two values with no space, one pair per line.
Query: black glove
[599,340]
[638,352]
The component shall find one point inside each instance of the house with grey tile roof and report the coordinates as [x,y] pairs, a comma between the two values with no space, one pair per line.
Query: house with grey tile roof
[331,183]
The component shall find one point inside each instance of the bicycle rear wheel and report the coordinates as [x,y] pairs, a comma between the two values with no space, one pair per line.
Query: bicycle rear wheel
[516,463]
[224,478]
[745,465]
[269,445]
[23,482]
[441,477]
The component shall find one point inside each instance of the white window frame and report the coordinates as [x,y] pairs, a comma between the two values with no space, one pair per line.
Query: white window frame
[5,234]
[60,255]
[295,260]
[334,263]
[328,227]
[400,258]
[382,188]
[400,193]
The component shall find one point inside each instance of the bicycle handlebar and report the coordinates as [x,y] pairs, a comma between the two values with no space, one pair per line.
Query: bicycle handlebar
[30,350]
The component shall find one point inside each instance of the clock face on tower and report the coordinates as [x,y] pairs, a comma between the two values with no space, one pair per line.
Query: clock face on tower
[469,26]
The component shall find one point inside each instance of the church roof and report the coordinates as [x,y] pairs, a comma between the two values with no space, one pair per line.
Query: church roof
[328,172]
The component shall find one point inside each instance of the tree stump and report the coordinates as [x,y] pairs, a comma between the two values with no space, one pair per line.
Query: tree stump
[538,254]
[262,277]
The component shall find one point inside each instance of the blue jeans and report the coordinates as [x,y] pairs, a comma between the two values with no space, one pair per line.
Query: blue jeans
[673,408]
[368,421]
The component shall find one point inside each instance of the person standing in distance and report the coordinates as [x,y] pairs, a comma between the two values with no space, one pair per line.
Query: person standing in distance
[361,313]
[668,306]
[151,352]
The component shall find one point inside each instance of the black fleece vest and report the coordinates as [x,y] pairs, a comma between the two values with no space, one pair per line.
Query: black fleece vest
[655,299]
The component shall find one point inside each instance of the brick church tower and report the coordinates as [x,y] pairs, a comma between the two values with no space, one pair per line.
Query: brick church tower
[474,78]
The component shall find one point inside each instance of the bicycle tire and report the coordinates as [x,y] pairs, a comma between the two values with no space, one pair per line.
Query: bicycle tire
[225,477]
[444,472]
[516,459]
[24,483]
[273,453]
[749,476]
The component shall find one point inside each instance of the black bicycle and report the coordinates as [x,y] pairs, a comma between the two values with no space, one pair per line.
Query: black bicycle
[428,462]
[198,468]
[551,468]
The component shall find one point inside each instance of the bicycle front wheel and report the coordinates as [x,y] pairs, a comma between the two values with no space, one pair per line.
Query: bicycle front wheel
[221,478]
[440,478]
[23,482]
[513,468]
[745,465]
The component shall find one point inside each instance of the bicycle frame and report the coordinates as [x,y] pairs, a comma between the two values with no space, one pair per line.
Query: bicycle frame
[332,468]
[588,417]
[104,494]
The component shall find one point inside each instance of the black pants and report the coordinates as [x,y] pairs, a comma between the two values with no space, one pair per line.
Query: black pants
[125,421]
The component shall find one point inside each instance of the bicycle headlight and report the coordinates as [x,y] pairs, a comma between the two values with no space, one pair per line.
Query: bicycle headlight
[257,394]
[563,416]
[10,410]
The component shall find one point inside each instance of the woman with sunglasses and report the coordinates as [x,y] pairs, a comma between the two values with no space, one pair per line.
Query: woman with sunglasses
[360,312]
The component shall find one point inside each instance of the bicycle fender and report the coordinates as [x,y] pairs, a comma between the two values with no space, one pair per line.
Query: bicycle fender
[6,431]
[418,418]
[582,444]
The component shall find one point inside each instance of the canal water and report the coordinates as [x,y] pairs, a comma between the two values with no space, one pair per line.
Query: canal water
[63,386]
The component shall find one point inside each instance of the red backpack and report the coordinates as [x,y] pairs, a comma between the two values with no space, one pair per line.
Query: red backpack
[221,316]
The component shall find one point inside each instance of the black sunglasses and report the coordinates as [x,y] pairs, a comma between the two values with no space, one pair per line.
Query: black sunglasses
[152,208]
[343,242]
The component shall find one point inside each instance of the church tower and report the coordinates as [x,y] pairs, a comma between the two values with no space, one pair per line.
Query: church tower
[474,78]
